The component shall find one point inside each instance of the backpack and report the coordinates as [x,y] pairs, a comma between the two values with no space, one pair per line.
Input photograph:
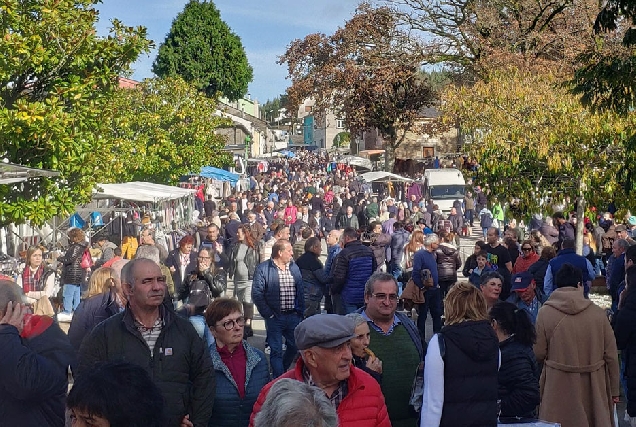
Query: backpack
[486,220]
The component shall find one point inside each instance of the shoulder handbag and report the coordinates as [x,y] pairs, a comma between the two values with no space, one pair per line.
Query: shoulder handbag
[413,292]
[87,259]
[427,278]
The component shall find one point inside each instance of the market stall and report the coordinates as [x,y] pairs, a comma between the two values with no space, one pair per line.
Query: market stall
[381,176]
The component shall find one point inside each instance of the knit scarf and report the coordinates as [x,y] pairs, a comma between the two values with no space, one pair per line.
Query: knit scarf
[32,283]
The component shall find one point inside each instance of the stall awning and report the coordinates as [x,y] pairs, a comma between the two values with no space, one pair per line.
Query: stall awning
[11,173]
[218,174]
[140,192]
[383,176]
[356,161]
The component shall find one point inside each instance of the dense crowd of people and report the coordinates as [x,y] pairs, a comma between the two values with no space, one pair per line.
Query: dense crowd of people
[513,334]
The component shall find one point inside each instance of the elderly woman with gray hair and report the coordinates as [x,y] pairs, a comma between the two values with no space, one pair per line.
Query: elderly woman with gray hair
[292,403]
[364,358]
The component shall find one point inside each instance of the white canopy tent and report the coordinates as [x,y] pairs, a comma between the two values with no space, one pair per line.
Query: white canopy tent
[383,176]
[141,192]
[356,161]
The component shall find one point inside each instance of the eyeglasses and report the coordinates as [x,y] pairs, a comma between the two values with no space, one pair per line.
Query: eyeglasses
[526,249]
[204,257]
[229,324]
[382,297]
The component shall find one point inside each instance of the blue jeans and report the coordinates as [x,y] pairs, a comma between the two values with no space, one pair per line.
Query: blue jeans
[280,326]
[341,307]
[351,308]
[469,216]
[71,297]
[432,303]
[396,271]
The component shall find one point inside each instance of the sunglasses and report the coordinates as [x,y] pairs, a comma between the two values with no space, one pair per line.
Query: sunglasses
[526,249]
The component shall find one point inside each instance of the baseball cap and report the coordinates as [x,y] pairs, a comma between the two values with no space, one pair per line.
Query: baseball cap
[521,281]
[620,227]
[324,330]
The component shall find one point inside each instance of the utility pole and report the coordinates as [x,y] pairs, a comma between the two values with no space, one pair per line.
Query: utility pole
[580,217]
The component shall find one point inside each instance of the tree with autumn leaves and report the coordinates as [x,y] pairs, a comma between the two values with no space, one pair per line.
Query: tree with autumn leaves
[368,71]
[516,64]
[536,142]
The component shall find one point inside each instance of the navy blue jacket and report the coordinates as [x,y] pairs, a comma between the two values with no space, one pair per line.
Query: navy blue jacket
[90,313]
[229,409]
[266,289]
[569,256]
[33,375]
[421,260]
[352,268]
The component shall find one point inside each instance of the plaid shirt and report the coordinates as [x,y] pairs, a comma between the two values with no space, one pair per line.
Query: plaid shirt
[337,397]
[287,288]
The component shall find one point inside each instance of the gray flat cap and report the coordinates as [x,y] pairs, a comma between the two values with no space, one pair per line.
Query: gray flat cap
[324,330]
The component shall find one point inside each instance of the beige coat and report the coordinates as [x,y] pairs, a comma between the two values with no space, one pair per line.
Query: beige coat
[580,375]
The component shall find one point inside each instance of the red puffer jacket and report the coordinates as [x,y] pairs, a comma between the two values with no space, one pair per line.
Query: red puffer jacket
[362,407]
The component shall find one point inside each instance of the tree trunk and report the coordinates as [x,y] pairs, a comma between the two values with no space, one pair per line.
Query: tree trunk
[389,157]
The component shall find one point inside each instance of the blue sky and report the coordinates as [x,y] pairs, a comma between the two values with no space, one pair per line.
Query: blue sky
[266,27]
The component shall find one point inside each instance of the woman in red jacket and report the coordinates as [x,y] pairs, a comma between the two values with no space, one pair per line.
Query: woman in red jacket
[528,257]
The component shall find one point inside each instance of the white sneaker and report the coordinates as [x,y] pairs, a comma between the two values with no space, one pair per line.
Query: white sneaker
[64,317]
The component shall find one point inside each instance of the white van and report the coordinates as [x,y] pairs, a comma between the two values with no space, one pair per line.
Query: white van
[444,186]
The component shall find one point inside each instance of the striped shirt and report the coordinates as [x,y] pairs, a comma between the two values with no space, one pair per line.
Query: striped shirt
[287,288]
[150,335]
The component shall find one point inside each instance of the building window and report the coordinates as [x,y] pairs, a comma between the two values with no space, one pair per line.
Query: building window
[340,124]
[428,152]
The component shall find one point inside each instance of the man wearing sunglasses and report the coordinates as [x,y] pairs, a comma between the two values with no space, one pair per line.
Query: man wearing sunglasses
[393,333]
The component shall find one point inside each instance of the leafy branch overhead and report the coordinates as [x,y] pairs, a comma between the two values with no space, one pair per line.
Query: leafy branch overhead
[368,71]
[56,79]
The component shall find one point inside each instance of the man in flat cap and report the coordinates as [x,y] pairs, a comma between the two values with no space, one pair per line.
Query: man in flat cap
[325,362]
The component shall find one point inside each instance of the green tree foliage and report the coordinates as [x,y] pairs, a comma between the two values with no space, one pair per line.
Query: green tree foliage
[343,139]
[56,79]
[202,49]
[367,72]
[534,139]
[607,78]
[161,130]
[271,109]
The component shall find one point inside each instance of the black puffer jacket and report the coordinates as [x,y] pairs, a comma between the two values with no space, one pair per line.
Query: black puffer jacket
[470,375]
[448,262]
[312,270]
[518,380]
[72,273]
